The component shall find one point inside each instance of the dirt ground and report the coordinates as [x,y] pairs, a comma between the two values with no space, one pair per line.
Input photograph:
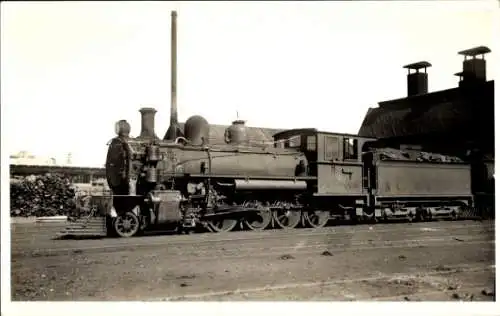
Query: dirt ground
[397,262]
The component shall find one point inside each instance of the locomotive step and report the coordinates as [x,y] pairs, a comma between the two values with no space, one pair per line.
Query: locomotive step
[85,227]
[81,234]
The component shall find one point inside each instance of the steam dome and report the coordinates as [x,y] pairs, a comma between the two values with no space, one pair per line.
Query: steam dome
[197,130]
[237,133]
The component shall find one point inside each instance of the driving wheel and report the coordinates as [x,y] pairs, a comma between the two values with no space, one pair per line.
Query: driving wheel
[222,225]
[259,220]
[316,219]
[287,219]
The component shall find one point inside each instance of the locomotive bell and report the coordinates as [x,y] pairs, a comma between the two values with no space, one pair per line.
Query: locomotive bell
[122,128]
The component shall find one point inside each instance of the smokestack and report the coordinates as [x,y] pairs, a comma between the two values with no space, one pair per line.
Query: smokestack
[148,123]
[173,129]
[417,81]
[474,69]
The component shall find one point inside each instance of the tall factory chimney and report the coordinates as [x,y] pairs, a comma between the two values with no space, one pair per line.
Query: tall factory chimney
[474,68]
[173,129]
[417,81]
[148,123]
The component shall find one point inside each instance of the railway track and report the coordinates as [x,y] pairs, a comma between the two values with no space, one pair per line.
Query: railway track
[22,241]
[93,227]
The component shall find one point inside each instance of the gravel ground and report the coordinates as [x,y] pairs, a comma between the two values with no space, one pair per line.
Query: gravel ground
[424,261]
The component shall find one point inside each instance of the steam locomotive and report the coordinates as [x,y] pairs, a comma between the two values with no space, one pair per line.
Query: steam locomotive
[304,177]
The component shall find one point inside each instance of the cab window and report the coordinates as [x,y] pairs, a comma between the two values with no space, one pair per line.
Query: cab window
[350,148]
[292,141]
[311,143]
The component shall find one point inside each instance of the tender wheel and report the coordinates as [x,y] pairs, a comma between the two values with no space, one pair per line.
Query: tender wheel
[258,221]
[316,219]
[410,217]
[420,215]
[287,219]
[223,225]
[428,215]
[353,218]
[454,216]
[126,225]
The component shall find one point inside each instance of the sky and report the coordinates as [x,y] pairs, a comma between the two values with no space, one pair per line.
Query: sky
[70,70]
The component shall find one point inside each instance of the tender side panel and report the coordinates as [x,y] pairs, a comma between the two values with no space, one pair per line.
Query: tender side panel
[396,178]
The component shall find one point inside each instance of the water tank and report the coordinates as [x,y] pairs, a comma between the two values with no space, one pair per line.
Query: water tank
[236,134]
[197,130]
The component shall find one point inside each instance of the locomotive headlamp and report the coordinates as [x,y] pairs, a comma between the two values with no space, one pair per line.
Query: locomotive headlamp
[122,128]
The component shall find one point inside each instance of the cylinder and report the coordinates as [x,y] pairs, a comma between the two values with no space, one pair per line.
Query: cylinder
[148,123]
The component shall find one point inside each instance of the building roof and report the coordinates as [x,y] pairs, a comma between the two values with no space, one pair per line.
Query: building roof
[480,50]
[418,65]
[441,112]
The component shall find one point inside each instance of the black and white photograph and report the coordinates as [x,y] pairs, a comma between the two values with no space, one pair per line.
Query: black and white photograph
[270,151]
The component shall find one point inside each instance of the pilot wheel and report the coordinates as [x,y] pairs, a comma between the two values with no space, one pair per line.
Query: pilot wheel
[126,225]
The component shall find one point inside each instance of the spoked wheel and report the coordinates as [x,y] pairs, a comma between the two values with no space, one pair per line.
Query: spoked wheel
[287,219]
[259,220]
[126,225]
[222,225]
[316,219]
